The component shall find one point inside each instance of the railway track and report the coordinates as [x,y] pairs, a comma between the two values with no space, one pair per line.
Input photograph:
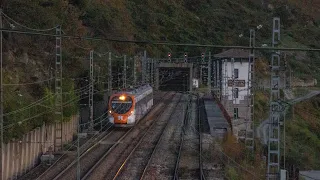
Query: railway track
[98,144]
[94,154]
[135,164]
[68,158]
[162,161]
[111,164]
[189,157]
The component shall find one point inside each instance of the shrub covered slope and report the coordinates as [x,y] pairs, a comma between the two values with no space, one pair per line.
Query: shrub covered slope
[29,58]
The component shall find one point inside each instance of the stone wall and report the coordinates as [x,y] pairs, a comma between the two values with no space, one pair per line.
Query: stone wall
[238,124]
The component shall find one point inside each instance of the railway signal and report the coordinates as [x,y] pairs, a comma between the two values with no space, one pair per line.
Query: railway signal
[185,57]
[169,56]
[202,57]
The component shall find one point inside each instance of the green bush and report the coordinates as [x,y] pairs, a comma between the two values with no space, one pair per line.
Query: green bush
[23,114]
[231,173]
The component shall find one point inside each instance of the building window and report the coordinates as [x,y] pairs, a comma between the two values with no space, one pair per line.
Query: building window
[236,93]
[235,113]
[236,73]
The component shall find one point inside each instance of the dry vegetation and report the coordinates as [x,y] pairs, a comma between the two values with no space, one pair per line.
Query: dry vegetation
[242,165]
[303,135]
[186,21]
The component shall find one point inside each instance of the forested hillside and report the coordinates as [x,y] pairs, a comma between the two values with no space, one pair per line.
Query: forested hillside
[29,58]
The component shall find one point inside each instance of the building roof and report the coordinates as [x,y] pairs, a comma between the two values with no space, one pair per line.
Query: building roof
[233,53]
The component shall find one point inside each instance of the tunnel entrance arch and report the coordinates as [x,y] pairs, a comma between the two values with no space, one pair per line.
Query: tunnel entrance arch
[174,76]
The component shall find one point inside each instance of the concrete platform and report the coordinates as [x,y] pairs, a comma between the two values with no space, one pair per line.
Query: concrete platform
[217,122]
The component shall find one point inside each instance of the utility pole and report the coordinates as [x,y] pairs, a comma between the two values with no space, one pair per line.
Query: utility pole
[147,70]
[152,73]
[233,100]
[274,122]
[1,99]
[78,152]
[91,89]
[109,75]
[98,76]
[58,92]
[200,79]
[201,69]
[287,86]
[209,73]
[124,71]
[249,136]
[218,81]
[144,59]
[226,88]
[157,74]
[214,74]
[134,71]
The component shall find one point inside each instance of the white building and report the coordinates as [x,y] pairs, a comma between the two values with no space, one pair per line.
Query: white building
[240,71]
[234,65]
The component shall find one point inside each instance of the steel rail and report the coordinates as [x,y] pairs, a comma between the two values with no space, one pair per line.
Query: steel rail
[159,140]
[90,149]
[82,155]
[202,176]
[89,172]
[176,169]
[84,150]
[142,138]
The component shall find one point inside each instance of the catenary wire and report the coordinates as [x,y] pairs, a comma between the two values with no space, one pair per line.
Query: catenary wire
[40,30]
[159,43]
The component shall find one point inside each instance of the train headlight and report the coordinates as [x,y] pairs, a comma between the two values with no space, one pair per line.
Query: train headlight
[122,97]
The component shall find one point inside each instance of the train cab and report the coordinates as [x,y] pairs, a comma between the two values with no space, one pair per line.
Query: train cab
[121,109]
[126,108]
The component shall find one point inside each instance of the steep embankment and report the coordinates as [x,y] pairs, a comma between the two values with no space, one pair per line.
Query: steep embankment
[303,137]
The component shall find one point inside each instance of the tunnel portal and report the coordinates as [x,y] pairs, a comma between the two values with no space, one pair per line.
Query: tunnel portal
[175,76]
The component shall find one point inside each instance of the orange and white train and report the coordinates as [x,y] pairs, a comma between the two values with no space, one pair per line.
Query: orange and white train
[128,107]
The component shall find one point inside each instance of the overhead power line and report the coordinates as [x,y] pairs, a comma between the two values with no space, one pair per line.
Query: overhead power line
[22,84]
[42,113]
[158,43]
[40,30]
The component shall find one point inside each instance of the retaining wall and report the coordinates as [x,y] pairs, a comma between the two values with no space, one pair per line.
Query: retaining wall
[22,155]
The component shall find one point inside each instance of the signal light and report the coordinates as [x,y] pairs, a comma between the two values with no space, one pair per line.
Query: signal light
[185,57]
[202,57]
[169,56]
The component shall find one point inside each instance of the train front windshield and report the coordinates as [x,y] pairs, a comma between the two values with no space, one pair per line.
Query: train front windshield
[121,104]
